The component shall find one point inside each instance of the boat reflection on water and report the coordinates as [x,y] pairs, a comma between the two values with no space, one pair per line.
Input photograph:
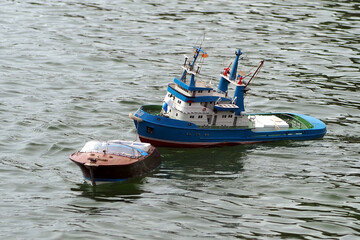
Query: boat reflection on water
[128,190]
[193,165]
[218,162]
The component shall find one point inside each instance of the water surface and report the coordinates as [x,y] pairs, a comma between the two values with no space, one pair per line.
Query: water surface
[71,71]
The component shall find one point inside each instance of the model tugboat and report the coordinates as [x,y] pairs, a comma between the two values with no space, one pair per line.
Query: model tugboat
[194,114]
[116,160]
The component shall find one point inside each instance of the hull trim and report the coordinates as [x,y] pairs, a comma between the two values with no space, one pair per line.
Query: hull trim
[166,143]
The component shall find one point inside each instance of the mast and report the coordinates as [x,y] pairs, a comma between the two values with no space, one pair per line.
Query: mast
[239,99]
[234,69]
[239,90]
[224,81]
[190,69]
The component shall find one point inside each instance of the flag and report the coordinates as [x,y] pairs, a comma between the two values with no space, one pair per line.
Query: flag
[165,107]
[240,79]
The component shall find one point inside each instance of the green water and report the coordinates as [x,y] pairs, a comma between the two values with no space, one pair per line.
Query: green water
[72,71]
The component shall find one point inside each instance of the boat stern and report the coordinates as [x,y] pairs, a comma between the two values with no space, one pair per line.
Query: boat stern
[318,128]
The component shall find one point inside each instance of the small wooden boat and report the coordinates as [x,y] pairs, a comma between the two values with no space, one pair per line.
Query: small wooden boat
[116,160]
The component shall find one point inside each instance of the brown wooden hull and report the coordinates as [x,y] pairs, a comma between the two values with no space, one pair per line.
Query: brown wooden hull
[110,168]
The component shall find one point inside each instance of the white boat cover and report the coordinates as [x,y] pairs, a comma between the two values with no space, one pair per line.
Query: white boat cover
[268,121]
[118,147]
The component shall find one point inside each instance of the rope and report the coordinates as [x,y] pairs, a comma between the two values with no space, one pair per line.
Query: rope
[256,72]
[136,132]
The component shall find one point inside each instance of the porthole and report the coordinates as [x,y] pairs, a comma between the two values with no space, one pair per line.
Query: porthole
[149,130]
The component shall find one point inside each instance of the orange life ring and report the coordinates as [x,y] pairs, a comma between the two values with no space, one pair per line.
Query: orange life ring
[204,109]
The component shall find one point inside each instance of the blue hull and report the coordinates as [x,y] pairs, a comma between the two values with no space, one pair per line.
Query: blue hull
[162,131]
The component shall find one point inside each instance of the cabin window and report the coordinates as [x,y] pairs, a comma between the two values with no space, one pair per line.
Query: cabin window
[223,116]
[209,91]
[200,91]
[200,116]
[179,101]
[189,104]
[191,116]
[176,114]
[230,116]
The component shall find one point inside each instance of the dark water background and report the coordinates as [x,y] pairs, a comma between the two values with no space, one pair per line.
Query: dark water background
[71,71]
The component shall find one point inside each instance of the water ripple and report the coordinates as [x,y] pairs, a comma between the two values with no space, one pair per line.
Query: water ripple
[71,71]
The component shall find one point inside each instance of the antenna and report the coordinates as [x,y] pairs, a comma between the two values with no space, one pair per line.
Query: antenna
[202,40]
[261,63]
